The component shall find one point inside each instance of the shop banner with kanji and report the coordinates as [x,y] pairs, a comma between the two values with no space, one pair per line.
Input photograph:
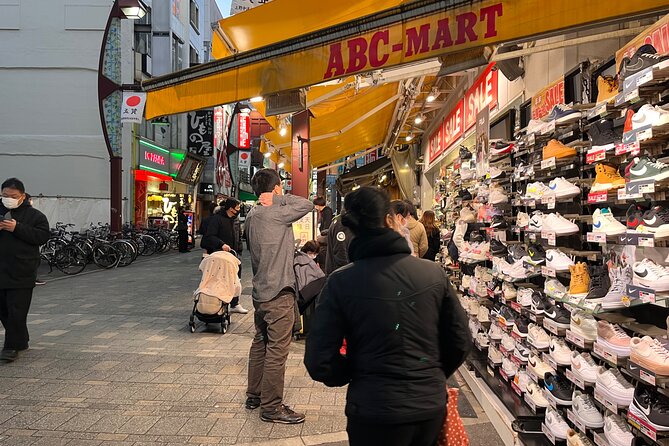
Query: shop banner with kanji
[132,107]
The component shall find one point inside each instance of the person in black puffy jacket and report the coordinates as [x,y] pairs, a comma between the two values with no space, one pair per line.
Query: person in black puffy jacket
[22,230]
[405,329]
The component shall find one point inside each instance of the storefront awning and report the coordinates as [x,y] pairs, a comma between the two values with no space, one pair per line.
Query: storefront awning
[365,41]
[363,176]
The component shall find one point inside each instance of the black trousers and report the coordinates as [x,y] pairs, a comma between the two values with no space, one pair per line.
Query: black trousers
[183,241]
[14,306]
[421,433]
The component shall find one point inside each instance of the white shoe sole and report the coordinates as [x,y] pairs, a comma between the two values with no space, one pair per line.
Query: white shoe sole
[570,117]
[617,398]
[639,414]
[612,305]
[652,284]
[590,424]
[619,351]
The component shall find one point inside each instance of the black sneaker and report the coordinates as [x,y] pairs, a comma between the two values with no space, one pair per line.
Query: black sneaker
[516,253]
[507,316]
[559,389]
[283,415]
[476,237]
[39,282]
[559,315]
[7,355]
[644,57]
[539,303]
[520,327]
[497,248]
[465,195]
[498,222]
[537,254]
[465,154]
[651,407]
[599,282]
[655,219]
[603,135]
[252,402]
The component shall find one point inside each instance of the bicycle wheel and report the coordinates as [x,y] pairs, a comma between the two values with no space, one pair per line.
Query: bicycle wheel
[105,256]
[70,260]
[150,245]
[126,252]
[52,246]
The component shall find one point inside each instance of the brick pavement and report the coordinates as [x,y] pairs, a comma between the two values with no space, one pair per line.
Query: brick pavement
[112,362]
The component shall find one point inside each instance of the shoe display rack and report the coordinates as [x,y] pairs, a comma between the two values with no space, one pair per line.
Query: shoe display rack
[560,258]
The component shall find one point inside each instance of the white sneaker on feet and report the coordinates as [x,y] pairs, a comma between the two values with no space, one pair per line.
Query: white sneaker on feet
[238,309]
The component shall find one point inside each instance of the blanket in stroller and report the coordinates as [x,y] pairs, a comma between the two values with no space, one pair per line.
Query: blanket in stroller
[219,283]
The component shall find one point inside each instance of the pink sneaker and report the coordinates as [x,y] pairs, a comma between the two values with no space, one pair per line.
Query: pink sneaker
[651,354]
[613,338]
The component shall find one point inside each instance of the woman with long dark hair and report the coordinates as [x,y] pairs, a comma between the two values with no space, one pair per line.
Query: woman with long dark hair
[405,330]
[433,235]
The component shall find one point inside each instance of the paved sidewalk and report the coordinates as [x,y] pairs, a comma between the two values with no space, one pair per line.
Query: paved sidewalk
[112,362]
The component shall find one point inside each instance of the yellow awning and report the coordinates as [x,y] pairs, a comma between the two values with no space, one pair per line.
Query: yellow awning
[345,124]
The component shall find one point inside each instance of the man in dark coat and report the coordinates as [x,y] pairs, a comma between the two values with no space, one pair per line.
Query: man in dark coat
[22,230]
[182,230]
[338,239]
[324,214]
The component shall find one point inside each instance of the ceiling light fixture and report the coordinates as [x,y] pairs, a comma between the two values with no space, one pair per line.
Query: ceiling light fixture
[281,165]
[256,99]
[433,95]
[283,130]
[268,154]
[419,119]
[409,137]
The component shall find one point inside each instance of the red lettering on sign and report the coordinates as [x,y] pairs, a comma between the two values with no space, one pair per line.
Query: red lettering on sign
[489,15]
[418,40]
[154,158]
[449,131]
[336,62]
[444,39]
[377,39]
[357,49]
[482,93]
[466,24]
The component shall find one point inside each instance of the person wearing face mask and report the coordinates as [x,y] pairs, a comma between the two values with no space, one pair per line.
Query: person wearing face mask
[224,234]
[311,248]
[22,230]
[399,211]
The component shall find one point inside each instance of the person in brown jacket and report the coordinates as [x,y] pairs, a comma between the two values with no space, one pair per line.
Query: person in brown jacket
[416,231]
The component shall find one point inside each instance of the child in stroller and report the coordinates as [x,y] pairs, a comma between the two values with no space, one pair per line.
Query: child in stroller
[218,286]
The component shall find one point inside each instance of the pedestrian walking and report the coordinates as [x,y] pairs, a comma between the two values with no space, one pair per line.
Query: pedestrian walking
[38,281]
[399,212]
[428,221]
[338,239]
[417,232]
[405,329]
[182,229]
[269,234]
[324,214]
[224,233]
[22,230]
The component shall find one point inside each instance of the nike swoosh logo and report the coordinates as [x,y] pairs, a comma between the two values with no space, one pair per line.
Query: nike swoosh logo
[550,259]
[643,273]
[598,225]
[550,315]
[651,221]
[552,186]
[549,387]
[646,410]
[641,171]
[632,367]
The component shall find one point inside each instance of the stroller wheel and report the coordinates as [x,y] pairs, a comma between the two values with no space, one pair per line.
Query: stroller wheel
[224,326]
[192,327]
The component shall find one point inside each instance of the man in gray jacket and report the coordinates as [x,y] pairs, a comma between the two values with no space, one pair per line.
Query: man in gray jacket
[269,233]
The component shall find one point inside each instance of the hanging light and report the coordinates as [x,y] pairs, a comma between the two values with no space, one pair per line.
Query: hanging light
[281,165]
[283,130]
[409,137]
[268,154]
[132,9]
[419,119]
[256,99]
[433,95]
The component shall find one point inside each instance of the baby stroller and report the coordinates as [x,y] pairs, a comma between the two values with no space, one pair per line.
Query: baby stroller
[218,286]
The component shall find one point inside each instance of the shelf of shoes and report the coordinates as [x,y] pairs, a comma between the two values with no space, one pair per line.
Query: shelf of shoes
[642,84]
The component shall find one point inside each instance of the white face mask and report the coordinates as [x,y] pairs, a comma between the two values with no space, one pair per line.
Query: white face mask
[10,203]
[312,256]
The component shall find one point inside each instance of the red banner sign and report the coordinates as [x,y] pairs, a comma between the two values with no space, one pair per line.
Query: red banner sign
[244,138]
[544,101]
[449,131]
[482,93]
[657,35]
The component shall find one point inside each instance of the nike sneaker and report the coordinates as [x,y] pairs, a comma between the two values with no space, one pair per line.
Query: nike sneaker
[465,195]
[559,316]
[651,354]
[522,220]
[584,367]
[558,260]
[518,253]
[498,148]
[509,291]
[561,226]
[584,325]
[556,424]
[555,149]
[522,380]
[650,275]
[612,384]
[536,223]
[499,222]
[509,367]
[614,297]
[494,355]
[538,337]
[603,221]
[651,407]
[554,288]
[476,237]
[578,439]
[465,154]
[644,168]
[507,316]
[537,127]
[483,340]
[558,388]
[599,283]
[617,431]
[497,248]
[495,333]
[649,115]
[579,284]
[498,196]
[538,367]
[537,254]
[613,338]
[521,353]
[656,221]
[520,327]
[607,178]
[603,135]
[524,297]
[563,189]
[539,303]
[483,314]
[645,57]
[534,191]
[559,351]
[562,114]
[634,216]
[535,394]
[496,173]
[583,407]
[517,271]
[508,342]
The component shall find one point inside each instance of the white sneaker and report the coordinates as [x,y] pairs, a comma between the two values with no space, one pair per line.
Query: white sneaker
[535,394]
[497,196]
[614,298]
[538,337]
[536,126]
[554,288]
[559,351]
[584,367]
[584,409]
[496,172]
[509,368]
[466,280]
[494,355]
[584,325]
[508,343]
[495,333]
[480,251]
[536,190]
[560,225]
[617,431]
[482,339]
[649,115]
[484,315]
[522,380]
[558,260]
[538,367]
[651,275]
[604,221]
[238,309]
[536,223]
[614,387]
[516,271]
[522,220]
[467,215]
[474,307]
[509,291]
[563,189]
[524,297]
[521,353]
[556,424]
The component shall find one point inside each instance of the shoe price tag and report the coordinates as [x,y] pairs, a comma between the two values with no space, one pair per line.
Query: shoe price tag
[550,326]
[632,146]
[647,377]
[613,407]
[533,317]
[533,236]
[635,189]
[605,354]
[596,237]
[597,110]
[600,440]
[631,95]
[549,200]
[517,338]
[577,421]
[515,306]
[645,295]
[490,370]
[531,203]
[516,389]
[575,339]
[531,139]
[550,236]
[646,240]
[550,128]
[575,379]
[645,77]
[644,134]
[547,432]
[598,197]
[548,272]
[504,376]
[548,163]
[592,156]
[548,359]
[641,425]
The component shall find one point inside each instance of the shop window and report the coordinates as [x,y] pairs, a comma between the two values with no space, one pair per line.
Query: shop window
[177,50]
[194,56]
[194,15]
